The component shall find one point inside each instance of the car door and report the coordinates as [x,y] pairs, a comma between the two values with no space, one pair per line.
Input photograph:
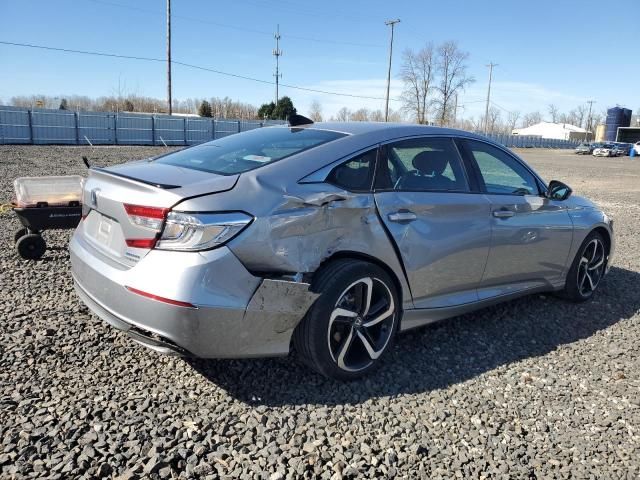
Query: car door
[530,234]
[441,227]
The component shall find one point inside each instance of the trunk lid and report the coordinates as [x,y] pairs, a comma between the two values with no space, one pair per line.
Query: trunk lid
[107,225]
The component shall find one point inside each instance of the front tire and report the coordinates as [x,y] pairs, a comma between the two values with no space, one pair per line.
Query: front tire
[587,269]
[352,324]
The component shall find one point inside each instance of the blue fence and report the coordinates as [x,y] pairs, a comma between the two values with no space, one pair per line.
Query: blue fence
[47,127]
[524,141]
[63,127]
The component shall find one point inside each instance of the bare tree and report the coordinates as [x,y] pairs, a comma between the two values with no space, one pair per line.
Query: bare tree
[451,65]
[512,120]
[343,115]
[581,115]
[417,73]
[360,115]
[553,112]
[494,119]
[531,119]
[315,111]
[378,116]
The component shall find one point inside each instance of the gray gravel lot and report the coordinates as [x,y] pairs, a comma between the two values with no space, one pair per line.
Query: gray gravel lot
[535,388]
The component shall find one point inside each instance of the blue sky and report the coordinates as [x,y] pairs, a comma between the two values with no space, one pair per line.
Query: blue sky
[561,52]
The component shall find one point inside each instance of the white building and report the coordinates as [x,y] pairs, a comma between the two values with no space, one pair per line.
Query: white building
[558,131]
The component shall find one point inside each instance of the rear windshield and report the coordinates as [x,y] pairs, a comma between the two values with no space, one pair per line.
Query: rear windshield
[245,151]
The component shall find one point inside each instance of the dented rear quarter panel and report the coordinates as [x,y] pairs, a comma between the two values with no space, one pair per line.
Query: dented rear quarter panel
[297,226]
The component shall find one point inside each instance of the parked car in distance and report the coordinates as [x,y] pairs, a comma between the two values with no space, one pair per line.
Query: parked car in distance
[583,149]
[605,150]
[623,148]
[326,238]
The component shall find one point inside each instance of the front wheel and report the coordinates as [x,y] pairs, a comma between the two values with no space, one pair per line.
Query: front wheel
[352,323]
[587,269]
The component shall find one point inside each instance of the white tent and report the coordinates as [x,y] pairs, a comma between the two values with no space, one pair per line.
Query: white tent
[559,131]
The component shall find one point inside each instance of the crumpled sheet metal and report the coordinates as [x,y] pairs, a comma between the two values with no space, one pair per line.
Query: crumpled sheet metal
[309,226]
[272,315]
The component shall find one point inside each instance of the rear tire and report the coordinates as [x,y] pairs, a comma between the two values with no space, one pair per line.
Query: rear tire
[352,324]
[31,246]
[587,269]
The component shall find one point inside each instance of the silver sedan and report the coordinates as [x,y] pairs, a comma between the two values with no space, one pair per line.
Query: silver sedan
[326,238]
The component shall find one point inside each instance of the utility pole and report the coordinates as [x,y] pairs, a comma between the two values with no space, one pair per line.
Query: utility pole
[486,112]
[455,111]
[277,53]
[386,108]
[169,56]
[586,134]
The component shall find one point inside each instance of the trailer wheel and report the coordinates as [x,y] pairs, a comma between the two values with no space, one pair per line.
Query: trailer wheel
[31,246]
[19,234]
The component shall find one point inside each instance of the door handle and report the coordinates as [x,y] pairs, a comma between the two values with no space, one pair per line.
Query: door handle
[402,216]
[503,213]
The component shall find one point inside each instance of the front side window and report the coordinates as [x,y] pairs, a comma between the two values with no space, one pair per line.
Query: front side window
[355,175]
[246,151]
[501,173]
[423,164]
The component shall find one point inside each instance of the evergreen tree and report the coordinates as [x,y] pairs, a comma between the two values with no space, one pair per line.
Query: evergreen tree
[284,109]
[204,110]
[266,111]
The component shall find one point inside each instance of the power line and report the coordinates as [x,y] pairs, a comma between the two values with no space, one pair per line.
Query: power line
[236,27]
[188,65]
[501,108]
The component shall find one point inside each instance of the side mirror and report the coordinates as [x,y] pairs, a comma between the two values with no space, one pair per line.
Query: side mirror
[558,190]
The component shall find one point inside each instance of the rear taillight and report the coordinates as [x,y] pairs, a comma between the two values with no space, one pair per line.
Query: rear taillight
[150,218]
[182,231]
[201,231]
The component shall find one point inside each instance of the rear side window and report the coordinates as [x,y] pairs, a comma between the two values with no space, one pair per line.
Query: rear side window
[245,151]
[423,164]
[501,173]
[355,175]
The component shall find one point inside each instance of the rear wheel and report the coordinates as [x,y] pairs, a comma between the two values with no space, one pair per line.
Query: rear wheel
[31,246]
[587,269]
[352,323]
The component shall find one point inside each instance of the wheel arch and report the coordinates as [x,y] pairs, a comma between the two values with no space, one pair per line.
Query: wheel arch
[353,255]
[606,236]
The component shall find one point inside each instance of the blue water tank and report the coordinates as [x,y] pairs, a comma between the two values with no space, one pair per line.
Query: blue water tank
[616,117]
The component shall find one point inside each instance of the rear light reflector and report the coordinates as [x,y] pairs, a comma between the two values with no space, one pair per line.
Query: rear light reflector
[177,303]
[141,242]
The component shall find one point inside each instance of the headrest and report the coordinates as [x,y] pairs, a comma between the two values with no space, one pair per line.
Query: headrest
[430,162]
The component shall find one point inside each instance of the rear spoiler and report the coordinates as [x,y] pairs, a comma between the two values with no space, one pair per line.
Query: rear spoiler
[164,186]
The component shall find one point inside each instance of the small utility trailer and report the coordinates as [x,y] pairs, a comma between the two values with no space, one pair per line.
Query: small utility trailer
[45,203]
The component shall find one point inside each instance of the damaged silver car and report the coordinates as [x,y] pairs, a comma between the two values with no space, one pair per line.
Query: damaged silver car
[325,238]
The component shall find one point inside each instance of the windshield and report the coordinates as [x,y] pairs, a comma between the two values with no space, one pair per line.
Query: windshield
[245,151]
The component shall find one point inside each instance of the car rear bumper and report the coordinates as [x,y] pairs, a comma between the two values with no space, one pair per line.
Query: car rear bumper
[235,314]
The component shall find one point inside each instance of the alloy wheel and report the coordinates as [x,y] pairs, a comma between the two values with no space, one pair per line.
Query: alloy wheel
[591,267]
[361,324]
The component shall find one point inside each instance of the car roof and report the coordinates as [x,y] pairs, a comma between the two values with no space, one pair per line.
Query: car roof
[389,128]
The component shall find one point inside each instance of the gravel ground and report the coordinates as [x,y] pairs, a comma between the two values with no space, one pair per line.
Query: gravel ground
[535,388]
